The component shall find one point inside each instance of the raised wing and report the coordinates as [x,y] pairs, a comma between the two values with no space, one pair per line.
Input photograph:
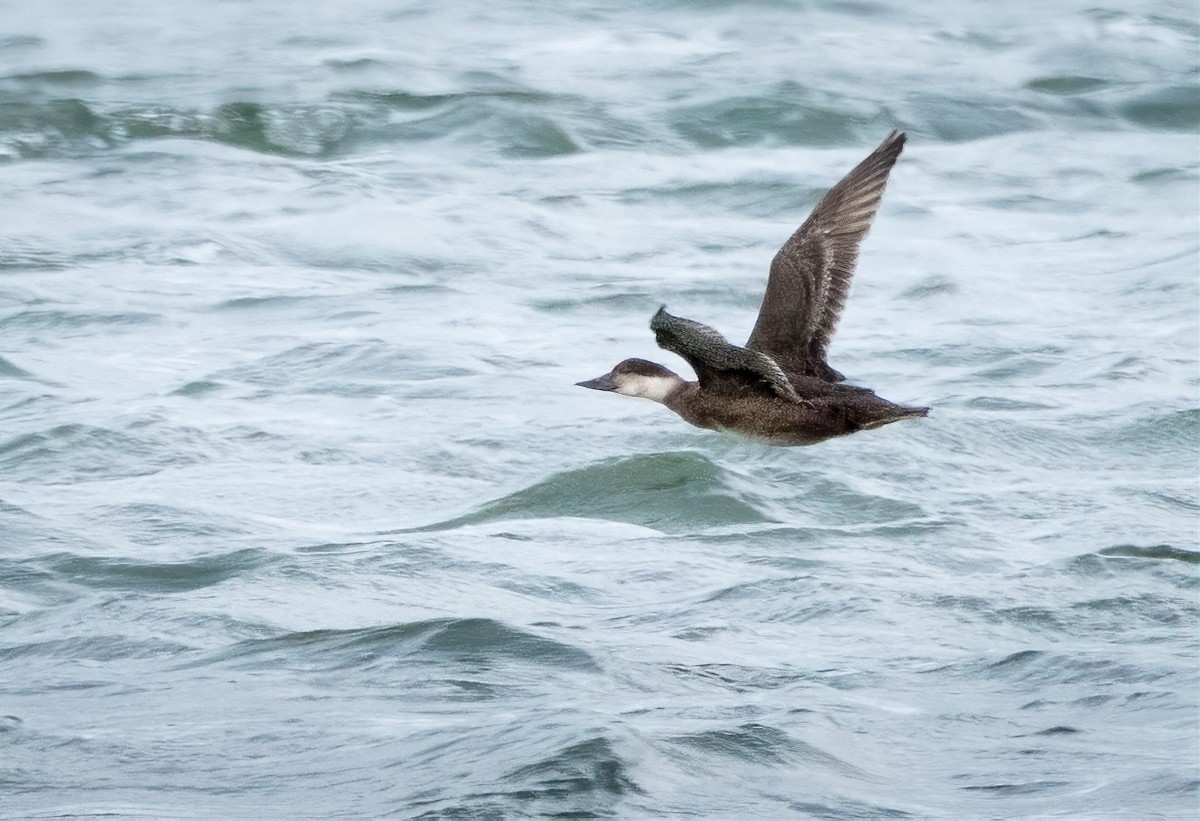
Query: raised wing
[810,275]
[720,366]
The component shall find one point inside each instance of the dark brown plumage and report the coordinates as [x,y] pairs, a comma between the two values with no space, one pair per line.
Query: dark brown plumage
[779,386]
[811,273]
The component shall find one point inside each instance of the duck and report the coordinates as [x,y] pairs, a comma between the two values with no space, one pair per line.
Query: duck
[779,387]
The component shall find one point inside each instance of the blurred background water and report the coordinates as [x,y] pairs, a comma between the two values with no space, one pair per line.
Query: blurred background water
[302,515]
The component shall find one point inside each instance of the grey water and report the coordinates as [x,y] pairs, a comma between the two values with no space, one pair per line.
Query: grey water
[301,514]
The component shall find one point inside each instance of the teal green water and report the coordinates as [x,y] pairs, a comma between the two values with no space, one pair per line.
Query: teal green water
[301,513]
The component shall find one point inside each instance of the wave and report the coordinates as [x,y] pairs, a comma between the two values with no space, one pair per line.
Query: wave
[446,639]
[32,128]
[589,778]
[365,368]
[1158,552]
[65,322]
[94,648]
[591,766]
[1042,668]
[36,122]
[759,744]
[672,492]
[8,369]
[108,573]
[79,453]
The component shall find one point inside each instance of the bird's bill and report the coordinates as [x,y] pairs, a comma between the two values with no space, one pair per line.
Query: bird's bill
[600,383]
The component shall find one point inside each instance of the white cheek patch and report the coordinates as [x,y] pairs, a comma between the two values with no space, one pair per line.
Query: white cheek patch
[655,388]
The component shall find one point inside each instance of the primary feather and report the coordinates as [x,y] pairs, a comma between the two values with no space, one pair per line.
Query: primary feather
[811,273]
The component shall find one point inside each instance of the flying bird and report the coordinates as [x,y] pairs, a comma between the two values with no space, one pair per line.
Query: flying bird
[779,386]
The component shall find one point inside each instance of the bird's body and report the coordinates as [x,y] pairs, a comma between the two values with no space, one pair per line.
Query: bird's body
[824,412]
[779,387]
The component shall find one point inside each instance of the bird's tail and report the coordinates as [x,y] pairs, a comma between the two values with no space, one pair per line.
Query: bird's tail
[894,414]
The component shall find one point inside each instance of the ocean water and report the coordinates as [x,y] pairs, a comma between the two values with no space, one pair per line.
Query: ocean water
[301,514]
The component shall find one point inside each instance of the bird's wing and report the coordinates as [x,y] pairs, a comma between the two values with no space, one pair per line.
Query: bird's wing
[810,275]
[720,366]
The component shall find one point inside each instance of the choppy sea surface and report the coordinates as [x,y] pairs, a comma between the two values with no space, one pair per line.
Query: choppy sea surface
[301,514]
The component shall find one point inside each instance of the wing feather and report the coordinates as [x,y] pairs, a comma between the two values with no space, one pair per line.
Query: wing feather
[811,273]
[720,366]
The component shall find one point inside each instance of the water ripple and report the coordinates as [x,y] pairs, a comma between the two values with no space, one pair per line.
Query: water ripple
[80,453]
[588,767]
[273,284]
[667,491]
[434,640]
[760,744]
[155,577]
